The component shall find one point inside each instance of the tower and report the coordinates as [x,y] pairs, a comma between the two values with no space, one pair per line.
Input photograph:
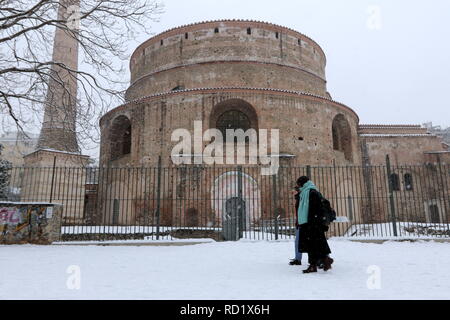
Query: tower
[57,151]
[58,130]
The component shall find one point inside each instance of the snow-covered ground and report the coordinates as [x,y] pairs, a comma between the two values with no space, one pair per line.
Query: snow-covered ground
[371,231]
[404,229]
[224,270]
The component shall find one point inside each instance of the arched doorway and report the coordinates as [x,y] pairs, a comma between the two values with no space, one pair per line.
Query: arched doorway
[236,203]
[120,137]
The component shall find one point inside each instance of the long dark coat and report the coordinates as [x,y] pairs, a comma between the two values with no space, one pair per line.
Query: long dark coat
[312,234]
[297,202]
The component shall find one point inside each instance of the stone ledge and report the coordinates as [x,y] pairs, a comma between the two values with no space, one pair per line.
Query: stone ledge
[381,241]
[134,244]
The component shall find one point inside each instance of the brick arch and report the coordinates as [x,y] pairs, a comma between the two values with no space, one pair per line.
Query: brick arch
[342,136]
[225,187]
[233,105]
[120,137]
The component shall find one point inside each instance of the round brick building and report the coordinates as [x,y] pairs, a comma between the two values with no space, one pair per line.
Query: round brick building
[228,75]
[234,73]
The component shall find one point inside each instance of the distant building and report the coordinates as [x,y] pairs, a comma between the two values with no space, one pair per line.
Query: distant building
[17,145]
[438,131]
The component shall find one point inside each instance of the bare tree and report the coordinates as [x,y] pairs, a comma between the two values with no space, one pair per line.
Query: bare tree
[102,30]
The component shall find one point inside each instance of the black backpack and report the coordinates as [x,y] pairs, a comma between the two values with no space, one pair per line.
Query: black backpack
[328,213]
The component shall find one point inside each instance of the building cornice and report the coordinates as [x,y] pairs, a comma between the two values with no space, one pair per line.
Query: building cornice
[390,126]
[213,23]
[393,135]
[226,90]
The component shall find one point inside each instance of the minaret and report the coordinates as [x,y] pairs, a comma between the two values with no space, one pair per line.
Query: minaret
[58,130]
[57,148]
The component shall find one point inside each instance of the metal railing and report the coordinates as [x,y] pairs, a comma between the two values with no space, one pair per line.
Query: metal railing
[230,203]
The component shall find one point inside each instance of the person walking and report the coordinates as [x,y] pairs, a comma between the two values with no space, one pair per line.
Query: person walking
[312,231]
[298,255]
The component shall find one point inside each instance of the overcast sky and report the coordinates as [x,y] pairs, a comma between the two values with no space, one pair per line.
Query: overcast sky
[387,60]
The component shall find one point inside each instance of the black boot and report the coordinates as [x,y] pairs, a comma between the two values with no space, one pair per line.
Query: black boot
[327,261]
[311,268]
[295,262]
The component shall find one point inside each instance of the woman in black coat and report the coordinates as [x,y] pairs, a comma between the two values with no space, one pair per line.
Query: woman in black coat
[312,234]
[298,254]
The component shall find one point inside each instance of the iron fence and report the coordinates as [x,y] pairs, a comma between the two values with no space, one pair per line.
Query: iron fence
[231,203]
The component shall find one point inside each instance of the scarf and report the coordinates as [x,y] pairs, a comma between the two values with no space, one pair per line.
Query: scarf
[303,207]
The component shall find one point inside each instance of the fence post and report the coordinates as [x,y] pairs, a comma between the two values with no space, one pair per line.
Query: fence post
[443,187]
[240,218]
[308,171]
[158,198]
[275,205]
[53,180]
[391,195]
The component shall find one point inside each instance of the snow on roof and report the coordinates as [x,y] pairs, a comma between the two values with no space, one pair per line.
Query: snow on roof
[436,152]
[380,135]
[29,203]
[390,126]
[59,151]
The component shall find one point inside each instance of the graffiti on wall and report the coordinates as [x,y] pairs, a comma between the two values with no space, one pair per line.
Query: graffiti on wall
[18,218]
[10,216]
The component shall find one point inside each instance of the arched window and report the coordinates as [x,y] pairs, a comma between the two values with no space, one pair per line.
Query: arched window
[120,137]
[177,88]
[408,181]
[233,119]
[395,182]
[233,114]
[342,136]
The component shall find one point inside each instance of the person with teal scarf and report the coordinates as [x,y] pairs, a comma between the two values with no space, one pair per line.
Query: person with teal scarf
[312,238]
[298,255]
[304,201]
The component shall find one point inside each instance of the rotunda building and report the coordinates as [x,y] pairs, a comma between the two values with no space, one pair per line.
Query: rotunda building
[229,74]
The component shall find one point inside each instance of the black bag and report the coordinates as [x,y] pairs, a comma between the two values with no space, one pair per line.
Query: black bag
[328,213]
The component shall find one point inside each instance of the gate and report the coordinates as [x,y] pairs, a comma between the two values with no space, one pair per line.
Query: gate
[234,222]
